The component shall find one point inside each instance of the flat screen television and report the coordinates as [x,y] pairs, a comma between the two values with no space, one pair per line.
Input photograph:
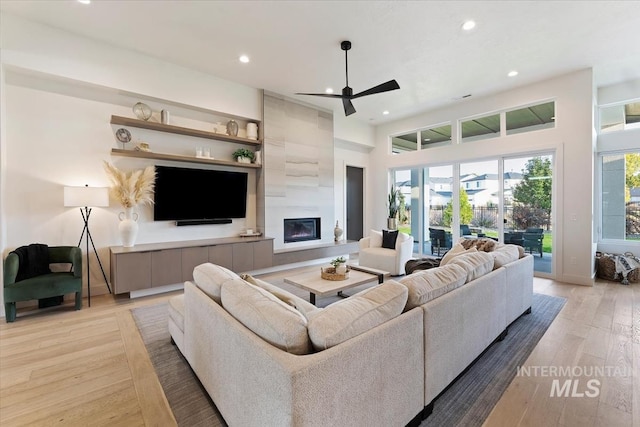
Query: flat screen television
[199,194]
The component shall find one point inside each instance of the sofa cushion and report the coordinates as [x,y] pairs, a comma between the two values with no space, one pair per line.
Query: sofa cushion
[505,254]
[456,250]
[429,284]
[482,244]
[294,301]
[375,239]
[389,239]
[271,319]
[210,277]
[357,314]
[475,264]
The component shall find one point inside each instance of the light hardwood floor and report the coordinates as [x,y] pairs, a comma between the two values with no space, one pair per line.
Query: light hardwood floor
[90,367]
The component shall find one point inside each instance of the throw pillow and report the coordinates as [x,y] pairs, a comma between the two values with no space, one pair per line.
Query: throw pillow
[265,315]
[483,245]
[304,307]
[357,314]
[210,277]
[430,284]
[504,255]
[456,250]
[475,264]
[389,239]
[375,239]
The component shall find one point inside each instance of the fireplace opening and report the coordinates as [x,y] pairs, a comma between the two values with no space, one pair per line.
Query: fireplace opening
[301,229]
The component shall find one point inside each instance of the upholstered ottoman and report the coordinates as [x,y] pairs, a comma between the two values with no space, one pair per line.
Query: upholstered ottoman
[176,321]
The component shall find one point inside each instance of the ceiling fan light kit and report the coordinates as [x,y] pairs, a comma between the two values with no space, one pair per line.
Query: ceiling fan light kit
[347,92]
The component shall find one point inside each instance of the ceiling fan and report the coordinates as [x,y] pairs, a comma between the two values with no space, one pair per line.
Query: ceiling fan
[347,92]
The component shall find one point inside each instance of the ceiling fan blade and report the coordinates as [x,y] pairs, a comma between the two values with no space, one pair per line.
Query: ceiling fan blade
[384,87]
[326,95]
[348,107]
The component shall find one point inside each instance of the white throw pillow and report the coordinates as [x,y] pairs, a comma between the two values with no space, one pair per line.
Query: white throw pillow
[475,264]
[375,239]
[456,250]
[277,323]
[210,277]
[427,285]
[504,255]
[304,307]
[357,314]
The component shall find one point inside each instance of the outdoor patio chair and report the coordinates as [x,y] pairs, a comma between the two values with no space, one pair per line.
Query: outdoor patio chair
[514,238]
[533,240]
[440,239]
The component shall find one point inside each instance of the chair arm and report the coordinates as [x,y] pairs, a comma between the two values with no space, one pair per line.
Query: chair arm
[11,265]
[67,254]
[404,248]
[364,243]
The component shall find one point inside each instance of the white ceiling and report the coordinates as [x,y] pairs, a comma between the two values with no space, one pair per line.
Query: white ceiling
[294,46]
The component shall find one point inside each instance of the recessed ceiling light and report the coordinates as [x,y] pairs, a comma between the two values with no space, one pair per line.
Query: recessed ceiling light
[469,25]
[328,90]
[244,59]
[512,73]
[385,112]
[427,139]
[84,1]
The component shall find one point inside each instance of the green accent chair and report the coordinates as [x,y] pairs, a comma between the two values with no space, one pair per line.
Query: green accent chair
[45,285]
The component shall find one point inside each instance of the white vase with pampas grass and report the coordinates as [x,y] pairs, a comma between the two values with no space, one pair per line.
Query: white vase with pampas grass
[130,189]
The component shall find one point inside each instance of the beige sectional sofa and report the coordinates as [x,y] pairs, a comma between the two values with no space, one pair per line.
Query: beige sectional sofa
[378,358]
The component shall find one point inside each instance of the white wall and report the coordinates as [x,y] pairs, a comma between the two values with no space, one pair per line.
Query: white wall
[572,141]
[55,131]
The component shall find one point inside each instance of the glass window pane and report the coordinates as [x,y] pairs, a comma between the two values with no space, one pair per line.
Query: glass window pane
[438,183]
[535,117]
[404,143]
[612,118]
[435,136]
[479,199]
[621,196]
[620,117]
[481,128]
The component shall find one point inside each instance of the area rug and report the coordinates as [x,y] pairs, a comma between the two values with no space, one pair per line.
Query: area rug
[467,402]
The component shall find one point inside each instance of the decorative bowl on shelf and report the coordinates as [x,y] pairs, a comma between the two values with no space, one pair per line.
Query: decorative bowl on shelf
[142,111]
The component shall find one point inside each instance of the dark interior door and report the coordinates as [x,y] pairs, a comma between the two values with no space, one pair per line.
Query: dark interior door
[355,203]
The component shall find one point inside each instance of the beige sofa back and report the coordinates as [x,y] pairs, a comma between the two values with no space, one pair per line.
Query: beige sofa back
[373,379]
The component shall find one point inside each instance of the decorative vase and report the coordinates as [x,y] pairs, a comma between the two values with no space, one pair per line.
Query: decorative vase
[337,232]
[232,128]
[341,269]
[392,223]
[252,131]
[128,227]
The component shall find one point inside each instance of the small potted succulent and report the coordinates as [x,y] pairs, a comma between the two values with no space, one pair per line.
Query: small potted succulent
[340,265]
[243,155]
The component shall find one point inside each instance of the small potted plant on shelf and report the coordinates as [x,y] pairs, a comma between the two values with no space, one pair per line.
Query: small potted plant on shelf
[243,155]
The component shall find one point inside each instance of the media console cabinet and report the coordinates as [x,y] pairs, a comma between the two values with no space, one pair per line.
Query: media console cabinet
[147,266]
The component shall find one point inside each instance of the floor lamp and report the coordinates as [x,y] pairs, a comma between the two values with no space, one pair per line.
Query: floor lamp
[86,198]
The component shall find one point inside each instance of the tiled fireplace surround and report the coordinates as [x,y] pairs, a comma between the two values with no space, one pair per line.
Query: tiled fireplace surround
[296,180]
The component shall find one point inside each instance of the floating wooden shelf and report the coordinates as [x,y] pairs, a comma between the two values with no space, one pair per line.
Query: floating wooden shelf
[178,158]
[126,121]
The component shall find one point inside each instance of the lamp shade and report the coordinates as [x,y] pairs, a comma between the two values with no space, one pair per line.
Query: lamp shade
[86,196]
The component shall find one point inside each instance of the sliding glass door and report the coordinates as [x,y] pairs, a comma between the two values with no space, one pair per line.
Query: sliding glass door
[528,198]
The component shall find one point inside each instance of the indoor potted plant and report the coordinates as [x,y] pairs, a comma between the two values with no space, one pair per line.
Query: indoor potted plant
[243,155]
[392,220]
[339,264]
